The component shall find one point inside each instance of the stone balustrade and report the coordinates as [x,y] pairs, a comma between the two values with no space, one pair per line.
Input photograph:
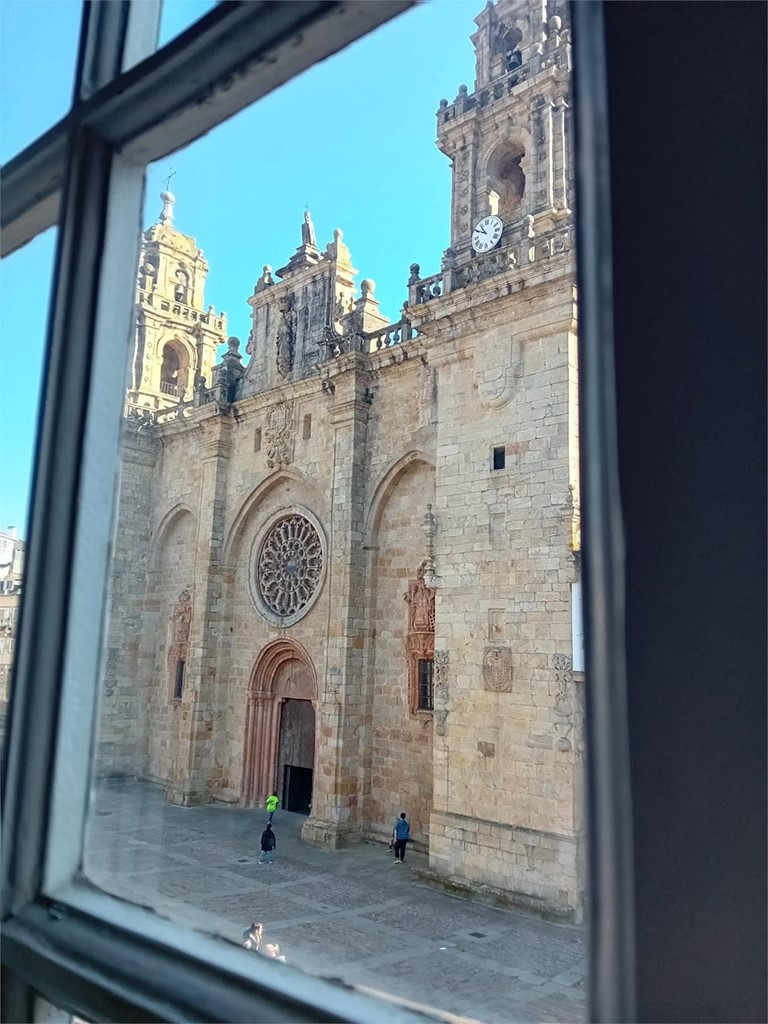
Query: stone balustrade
[556,53]
[523,247]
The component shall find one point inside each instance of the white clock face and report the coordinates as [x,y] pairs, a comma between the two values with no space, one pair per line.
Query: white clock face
[487,233]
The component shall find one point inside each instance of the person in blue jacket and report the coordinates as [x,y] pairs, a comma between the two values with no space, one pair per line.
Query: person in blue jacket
[401,834]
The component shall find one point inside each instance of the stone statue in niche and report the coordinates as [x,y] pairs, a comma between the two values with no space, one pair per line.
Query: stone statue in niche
[181,618]
[286,336]
[422,601]
[497,669]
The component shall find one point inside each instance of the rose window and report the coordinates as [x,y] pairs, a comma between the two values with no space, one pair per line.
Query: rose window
[290,565]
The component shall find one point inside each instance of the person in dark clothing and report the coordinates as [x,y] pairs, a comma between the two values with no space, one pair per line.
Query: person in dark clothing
[252,936]
[268,844]
[401,834]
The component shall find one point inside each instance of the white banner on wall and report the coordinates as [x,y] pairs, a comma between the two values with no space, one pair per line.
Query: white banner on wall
[577,628]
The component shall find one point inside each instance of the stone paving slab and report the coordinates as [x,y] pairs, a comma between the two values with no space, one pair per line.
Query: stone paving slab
[350,914]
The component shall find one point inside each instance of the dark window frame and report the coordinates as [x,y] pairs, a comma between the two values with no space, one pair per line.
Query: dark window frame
[425,690]
[178,678]
[66,940]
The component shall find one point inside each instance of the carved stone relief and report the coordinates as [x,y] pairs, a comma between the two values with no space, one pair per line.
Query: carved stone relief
[441,691]
[420,637]
[441,672]
[496,384]
[278,435]
[561,691]
[286,336]
[497,669]
[179,626]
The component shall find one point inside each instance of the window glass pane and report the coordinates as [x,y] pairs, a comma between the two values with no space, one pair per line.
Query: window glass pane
[327,609]
[38,51]
[178,15]
[25,281]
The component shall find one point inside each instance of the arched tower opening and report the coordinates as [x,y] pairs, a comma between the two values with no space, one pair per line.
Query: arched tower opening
[174,370]
[506,180]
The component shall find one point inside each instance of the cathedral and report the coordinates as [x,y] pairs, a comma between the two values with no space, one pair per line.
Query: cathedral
[346,563]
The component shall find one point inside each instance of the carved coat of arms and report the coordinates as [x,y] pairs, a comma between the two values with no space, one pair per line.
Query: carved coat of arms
[279,435]
[497,669]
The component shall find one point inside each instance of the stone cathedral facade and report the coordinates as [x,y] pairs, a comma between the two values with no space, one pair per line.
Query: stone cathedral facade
[347,559]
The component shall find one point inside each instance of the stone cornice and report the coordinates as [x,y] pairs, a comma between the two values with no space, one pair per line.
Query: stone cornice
[349,410]
[475,304]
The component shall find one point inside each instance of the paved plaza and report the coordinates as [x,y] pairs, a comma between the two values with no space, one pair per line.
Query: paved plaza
[351,914]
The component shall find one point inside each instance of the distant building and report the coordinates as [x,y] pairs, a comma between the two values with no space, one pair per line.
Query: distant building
[347,569]
[11,575]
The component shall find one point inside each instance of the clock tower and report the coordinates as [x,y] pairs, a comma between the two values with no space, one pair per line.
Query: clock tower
[509,139]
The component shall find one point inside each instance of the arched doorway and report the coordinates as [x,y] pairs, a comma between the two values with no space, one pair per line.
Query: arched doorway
[296,755]
[279,752]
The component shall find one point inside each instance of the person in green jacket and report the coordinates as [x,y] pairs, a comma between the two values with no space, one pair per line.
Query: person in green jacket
[272,802]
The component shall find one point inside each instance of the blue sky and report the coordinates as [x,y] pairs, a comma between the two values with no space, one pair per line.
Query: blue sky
[353,138]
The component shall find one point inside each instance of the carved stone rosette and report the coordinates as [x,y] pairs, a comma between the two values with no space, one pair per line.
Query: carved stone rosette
[497,669]
[290,565]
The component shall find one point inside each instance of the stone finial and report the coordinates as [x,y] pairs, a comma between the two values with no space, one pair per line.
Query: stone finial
[166,214]
[337,250]
[415,273]
[233,344]
[430,531]
[555,24]
[265,280]
[367,287]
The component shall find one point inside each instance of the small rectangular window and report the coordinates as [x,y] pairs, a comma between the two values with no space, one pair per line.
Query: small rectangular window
[499,457]
[257,439]
[307,432]
[426,702]
[178,682]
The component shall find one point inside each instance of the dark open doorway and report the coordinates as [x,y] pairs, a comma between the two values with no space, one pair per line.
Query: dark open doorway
[297,789]
[296,756]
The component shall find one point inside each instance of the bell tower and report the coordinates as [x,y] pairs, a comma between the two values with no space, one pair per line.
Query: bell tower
[509,139]
[176,337]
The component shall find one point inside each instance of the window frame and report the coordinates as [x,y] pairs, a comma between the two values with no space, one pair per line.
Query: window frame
[63,938]
[430,705]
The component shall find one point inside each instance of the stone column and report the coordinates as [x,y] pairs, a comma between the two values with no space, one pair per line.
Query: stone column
[194,773]
[336,800]
[123,728]
[561,156]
